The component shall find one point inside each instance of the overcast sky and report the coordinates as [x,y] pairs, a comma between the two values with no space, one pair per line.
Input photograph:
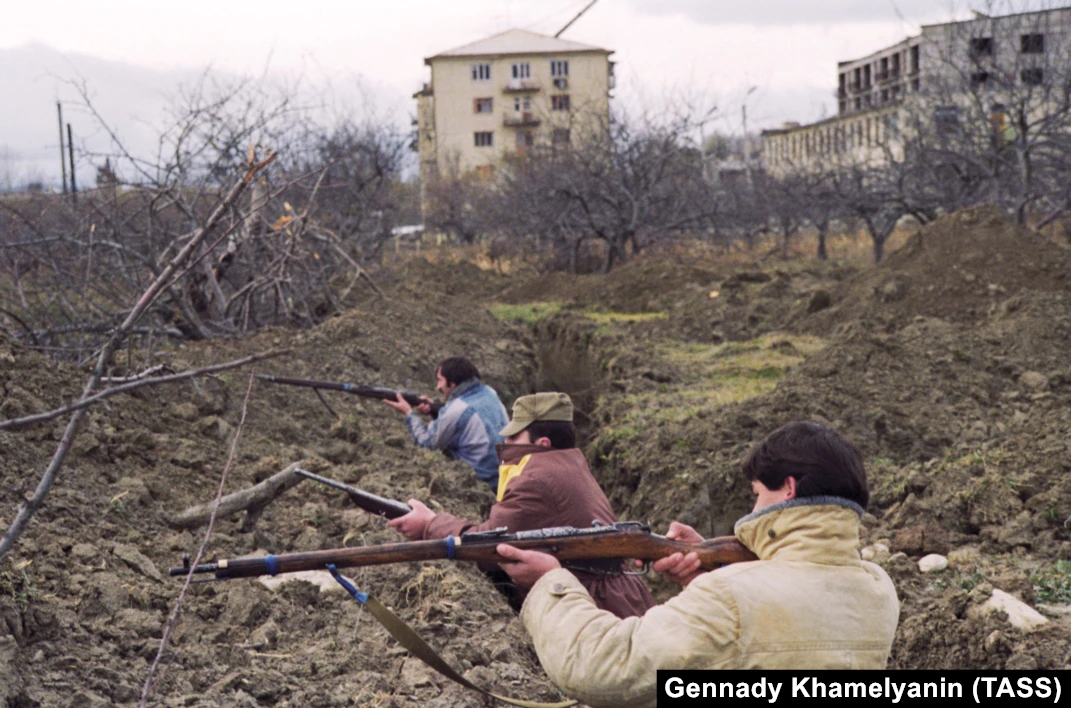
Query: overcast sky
[133,54]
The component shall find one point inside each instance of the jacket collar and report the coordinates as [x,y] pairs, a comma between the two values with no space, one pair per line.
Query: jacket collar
[512,454]
[463,388]
[814,529]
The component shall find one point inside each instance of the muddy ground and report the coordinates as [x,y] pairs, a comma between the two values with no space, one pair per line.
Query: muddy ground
[947,365]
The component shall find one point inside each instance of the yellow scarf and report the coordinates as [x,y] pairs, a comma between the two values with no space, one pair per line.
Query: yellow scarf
[508,472]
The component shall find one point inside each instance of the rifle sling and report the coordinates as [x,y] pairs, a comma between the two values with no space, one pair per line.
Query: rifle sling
[408,638]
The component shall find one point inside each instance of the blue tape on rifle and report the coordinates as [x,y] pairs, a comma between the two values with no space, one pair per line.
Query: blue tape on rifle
[449,547]
[361,597]
[272,564]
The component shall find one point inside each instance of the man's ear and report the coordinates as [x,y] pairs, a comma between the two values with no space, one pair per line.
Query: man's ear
[542,442]
[790,488]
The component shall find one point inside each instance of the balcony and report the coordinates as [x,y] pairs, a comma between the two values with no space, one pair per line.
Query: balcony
[521,86]
[520,120]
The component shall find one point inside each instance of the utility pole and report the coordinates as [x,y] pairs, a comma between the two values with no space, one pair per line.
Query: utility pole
[70,149]
[570,22]
[62,156]
[747,139]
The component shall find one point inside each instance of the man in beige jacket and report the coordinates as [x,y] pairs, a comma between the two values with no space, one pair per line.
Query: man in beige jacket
[809,602]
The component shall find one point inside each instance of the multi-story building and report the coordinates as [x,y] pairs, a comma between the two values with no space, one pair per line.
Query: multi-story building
[505,94]
[982,64]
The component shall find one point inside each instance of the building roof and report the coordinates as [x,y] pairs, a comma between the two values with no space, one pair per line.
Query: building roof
[518,41]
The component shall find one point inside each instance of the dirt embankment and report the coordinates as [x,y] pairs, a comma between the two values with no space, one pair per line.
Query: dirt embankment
[84,597]
[947,365]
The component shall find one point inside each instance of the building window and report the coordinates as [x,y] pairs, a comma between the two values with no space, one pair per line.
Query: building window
[1031,77]
[915,59]
[560,136]
[483,105]
[525,138]
[484,138]
[1032,44]
[979,79]
[559,68]
[559,103]
[522,70]
[522,104]
[481,72]
[981,47]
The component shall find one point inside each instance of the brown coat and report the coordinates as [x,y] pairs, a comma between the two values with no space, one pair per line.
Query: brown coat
[554,488]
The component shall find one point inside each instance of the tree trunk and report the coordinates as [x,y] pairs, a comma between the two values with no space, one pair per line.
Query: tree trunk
[879,247]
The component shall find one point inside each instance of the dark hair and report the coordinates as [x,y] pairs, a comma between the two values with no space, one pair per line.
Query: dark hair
[562,433]
[823,463]
[458,369]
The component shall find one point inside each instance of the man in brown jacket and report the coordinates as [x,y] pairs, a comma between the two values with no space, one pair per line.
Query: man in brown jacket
[544,481]
[809,602]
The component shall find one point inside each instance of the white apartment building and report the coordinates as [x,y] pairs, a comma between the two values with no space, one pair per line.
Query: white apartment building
[939,71]
[506,93]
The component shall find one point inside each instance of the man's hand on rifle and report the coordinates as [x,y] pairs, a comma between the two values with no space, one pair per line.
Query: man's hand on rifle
[400,404]
[425,407]
[413,524]
[681,568]
[527,566]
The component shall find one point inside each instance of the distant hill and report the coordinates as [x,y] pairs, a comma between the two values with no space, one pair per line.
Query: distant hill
[33,77]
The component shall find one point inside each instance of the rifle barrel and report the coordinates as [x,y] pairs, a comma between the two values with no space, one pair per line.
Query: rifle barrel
[622,541]
[377,392]
[390,508]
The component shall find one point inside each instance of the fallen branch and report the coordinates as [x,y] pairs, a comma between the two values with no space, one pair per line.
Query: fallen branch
[16,423]
[251,500]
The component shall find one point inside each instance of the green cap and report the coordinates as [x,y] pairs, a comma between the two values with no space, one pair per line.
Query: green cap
[538,406]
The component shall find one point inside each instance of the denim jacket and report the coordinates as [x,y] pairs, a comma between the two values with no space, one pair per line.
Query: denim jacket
[466,429]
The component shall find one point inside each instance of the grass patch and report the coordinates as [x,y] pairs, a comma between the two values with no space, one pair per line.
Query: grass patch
[529,312]
[711,376]
[607,320]
[1053,584]
[15,582]
[720,374]
[532,312]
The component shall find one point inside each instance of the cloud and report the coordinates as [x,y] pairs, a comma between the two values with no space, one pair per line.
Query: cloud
[790,12]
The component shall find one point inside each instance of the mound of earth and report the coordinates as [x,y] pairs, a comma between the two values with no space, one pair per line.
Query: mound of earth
[956,269]
[84,596]
[960,404]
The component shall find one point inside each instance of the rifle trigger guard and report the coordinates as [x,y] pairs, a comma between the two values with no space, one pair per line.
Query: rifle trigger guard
[642,570]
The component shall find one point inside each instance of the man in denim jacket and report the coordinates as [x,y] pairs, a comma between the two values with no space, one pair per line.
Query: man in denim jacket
[467,426]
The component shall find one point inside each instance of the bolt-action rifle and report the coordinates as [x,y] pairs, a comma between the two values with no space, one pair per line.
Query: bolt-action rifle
[385,394]
[371,503]
[601,549]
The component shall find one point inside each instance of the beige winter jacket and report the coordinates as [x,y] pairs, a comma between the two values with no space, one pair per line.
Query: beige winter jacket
[808,603]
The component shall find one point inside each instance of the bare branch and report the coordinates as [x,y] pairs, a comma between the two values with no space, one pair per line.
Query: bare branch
[136,382]
[149,683]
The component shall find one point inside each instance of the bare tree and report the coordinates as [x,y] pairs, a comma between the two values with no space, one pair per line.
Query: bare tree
[294,245]
[633,183]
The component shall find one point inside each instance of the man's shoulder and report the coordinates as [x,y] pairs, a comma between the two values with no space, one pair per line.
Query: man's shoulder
[553,460]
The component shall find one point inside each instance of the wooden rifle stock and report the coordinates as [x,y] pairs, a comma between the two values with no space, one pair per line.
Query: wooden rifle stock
[599,548]
[377,392]
[371,503]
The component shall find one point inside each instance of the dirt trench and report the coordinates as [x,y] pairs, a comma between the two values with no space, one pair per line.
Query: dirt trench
[949,373]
